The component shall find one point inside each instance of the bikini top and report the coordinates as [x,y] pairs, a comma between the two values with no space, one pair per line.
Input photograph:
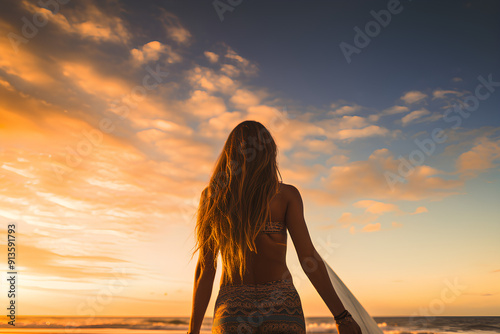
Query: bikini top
[274,227]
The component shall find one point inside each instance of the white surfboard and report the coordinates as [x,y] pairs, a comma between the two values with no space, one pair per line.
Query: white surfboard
[358,312]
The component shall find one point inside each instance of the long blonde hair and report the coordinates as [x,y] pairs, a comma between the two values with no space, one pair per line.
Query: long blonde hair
[235,205]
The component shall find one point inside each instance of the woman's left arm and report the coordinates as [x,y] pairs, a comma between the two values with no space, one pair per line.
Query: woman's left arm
[203,284]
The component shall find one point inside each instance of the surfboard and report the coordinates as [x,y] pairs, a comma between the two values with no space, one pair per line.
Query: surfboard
[358,312]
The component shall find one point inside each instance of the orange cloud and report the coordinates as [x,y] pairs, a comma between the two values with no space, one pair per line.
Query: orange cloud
[349,128]
[395,110]
[371,227]
[389,111]
[174,28]
[345,110]
[22,63]
[211,56]
[152,51]
[407,119]
[340,159]
[287,132]
[244,98]
[480,158]
[413,97]
[203,105]
[219,126]
[326,146]
[373,210]
[243,64]
[87,21]
[420,209]
[38,261]
[95,83]
[369,131]
[368,178]
[230,70]
[441,93]
[321,197]
[300,174]
[376,207]
[204,78]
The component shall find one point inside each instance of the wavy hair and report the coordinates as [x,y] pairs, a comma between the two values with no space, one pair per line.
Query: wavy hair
[235,205]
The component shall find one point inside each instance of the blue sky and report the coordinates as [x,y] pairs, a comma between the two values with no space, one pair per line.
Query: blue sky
[297,45]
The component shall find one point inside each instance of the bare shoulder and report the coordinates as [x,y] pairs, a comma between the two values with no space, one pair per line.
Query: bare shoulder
[289,191]
[287,188]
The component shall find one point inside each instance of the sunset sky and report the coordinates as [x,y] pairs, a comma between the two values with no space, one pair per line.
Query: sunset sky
[112,114]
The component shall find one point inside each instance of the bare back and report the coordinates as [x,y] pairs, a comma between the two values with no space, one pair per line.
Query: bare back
[269,263]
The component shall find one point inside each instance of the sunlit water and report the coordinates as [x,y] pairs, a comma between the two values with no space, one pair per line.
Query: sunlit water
[177,325]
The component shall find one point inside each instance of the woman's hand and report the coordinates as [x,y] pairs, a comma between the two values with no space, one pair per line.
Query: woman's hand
[350,327]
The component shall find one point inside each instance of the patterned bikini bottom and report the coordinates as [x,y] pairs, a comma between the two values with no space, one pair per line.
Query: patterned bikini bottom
[272,307]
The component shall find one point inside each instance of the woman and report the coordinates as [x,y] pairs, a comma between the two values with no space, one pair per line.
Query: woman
[244,214]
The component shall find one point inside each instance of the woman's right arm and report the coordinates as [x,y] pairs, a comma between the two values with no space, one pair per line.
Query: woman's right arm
[311,262]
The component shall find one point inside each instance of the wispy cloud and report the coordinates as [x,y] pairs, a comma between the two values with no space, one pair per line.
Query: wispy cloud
[413,97]
[407,119]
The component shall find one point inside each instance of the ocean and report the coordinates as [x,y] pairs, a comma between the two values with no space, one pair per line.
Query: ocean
[178,325]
